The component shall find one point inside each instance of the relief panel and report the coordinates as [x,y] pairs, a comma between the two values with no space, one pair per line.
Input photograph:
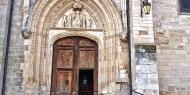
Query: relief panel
[76,19]
[86,42]
[66,42]
[87,59]
[65,58]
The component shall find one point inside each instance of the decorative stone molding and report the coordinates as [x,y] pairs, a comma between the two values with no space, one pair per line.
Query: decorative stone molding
[27,10]
[123,34]
[26,34]
[77,6]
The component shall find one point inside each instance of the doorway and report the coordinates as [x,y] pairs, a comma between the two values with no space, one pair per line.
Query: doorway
[75,66]
[86,82]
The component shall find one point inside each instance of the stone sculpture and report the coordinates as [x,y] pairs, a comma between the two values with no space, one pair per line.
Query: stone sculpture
[77,19]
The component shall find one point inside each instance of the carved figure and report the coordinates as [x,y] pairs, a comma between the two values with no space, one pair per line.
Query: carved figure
[65,58]
[77,19]
[65,20]
[89,23]
[87,59]
[69,21]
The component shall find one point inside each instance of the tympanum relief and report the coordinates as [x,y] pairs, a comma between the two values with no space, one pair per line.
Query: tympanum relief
[77,17]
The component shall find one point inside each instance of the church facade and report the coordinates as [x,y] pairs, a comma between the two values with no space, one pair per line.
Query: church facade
[94,47]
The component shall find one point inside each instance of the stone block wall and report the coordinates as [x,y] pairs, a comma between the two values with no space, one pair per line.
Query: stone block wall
[146,70]
[14,74]
[3,29]
[173,47]
[142,27]
[144,65]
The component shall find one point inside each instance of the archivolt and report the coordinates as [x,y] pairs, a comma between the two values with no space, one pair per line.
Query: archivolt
[47,12]
[87,35]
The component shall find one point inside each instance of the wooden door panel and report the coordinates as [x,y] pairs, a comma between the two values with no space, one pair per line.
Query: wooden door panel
[86,59]
[70,41]
[70,55]
[64,59]
[86,42]
[64,82]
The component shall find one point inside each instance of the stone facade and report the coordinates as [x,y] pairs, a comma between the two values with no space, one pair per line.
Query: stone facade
[29,66]
[160,44]
[172,39]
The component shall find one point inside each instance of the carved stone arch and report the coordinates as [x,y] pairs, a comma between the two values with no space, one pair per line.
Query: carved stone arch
[45,15]
[86,35]
[52,18]
[105,8]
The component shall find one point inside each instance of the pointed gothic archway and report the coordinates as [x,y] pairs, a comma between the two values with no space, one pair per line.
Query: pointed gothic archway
[48,25]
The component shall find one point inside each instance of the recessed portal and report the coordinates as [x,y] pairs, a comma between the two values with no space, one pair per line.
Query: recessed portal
[86,82]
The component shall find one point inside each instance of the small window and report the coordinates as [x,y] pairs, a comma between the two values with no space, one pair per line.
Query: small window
[185,6]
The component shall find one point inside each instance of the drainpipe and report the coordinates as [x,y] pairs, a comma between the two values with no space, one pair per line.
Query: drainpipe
[129,45]
[7,44]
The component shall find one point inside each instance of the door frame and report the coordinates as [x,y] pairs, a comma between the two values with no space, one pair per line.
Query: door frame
[75,69]
[93,77]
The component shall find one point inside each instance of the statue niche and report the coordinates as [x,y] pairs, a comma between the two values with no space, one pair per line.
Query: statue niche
[77,17]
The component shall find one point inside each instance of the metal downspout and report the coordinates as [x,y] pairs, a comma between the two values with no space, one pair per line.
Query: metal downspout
[129,45]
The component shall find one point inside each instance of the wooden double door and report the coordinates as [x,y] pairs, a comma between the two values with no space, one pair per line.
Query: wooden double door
[75,67]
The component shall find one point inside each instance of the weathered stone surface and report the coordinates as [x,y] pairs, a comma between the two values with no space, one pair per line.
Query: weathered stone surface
[29,74]
[29,63]
[14,82]
[3,29]
[172,46]
[161,38]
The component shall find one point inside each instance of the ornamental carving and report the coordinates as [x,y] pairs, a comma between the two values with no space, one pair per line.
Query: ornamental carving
[87,59]
[26,11]
[77,17]
[65,58]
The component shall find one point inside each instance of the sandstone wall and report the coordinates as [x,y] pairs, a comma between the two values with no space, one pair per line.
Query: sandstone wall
[173,47]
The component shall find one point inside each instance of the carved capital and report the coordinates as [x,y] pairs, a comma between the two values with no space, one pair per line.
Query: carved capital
[77,6]
[26,34]
[123,36]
